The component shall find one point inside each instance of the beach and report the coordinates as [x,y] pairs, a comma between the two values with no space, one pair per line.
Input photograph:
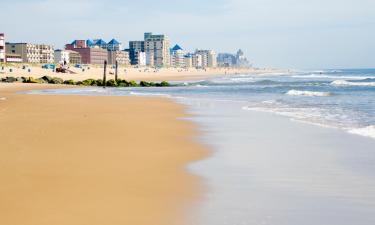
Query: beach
[130,73]
[94,159]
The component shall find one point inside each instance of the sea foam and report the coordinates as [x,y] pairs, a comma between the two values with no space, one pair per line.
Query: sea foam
[368,131]
[352,83]
[308,93]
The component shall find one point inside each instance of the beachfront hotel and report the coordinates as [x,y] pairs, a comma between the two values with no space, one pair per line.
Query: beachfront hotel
[2,48]
[31,53]
[157,50]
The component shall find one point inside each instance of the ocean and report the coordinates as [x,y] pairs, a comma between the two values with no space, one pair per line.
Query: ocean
[288,149]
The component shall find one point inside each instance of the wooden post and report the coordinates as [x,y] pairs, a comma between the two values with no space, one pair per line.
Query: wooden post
[105,74]
[116,70]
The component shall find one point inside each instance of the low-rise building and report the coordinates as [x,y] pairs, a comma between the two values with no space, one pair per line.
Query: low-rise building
[32,53]
[2,48]
[122,57]
[90,55]
[74,57]
[67,56]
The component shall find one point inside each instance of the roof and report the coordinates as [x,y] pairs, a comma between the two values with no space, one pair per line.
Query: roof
[89,42]
[113,42]
[176,48]
[100,42]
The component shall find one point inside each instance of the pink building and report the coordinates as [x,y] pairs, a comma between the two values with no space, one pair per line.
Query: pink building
[89,55]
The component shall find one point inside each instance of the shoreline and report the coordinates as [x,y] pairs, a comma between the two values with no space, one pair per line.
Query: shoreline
[84,159]
[137,74]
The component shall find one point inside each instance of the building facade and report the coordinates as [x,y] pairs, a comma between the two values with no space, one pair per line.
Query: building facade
[61,56]
[89,55]
[32,53]
[177,57]
[208,58]
[135,48]
[68,56]
[157,48]
[188,61]
[122,57]
[74,57]
[2,48]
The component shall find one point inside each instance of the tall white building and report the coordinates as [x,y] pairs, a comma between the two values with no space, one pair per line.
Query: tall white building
[197,60]
[2,48]
[157,50]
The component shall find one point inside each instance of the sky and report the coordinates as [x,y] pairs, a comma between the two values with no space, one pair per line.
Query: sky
[295,34]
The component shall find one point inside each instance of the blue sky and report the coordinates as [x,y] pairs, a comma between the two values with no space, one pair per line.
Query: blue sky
[273,33]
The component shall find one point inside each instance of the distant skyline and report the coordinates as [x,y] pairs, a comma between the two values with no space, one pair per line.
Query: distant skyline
[300,34]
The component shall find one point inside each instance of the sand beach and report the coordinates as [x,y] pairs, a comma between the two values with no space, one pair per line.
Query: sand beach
[94,160]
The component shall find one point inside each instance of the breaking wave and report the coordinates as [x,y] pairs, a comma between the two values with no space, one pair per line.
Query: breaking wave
[308,93]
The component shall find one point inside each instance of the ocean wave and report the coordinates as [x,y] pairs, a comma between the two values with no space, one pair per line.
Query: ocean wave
[148,94]
[308,93]
[368,131]
[326,76]
[365,82]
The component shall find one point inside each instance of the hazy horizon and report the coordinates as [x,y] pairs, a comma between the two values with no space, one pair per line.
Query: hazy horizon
[285,34]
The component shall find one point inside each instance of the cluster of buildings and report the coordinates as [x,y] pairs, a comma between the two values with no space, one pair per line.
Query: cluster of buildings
[152,51]
[233,60]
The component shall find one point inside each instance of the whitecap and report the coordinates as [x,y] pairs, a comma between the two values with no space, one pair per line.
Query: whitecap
[351,83]
[308,93]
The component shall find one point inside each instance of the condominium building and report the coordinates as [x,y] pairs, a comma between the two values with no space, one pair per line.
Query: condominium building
[135,48]
[113,45]
[2,48]
[177,57]
[208,58]
[122,57]
[157,50]
[32,53]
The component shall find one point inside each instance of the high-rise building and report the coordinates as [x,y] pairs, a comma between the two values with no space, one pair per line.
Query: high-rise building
[157,50]
[31,53]
[2,48]
[135,48]
[177,57]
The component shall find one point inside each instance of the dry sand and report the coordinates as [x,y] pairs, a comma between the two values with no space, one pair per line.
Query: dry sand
[96,72]
[81,160]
